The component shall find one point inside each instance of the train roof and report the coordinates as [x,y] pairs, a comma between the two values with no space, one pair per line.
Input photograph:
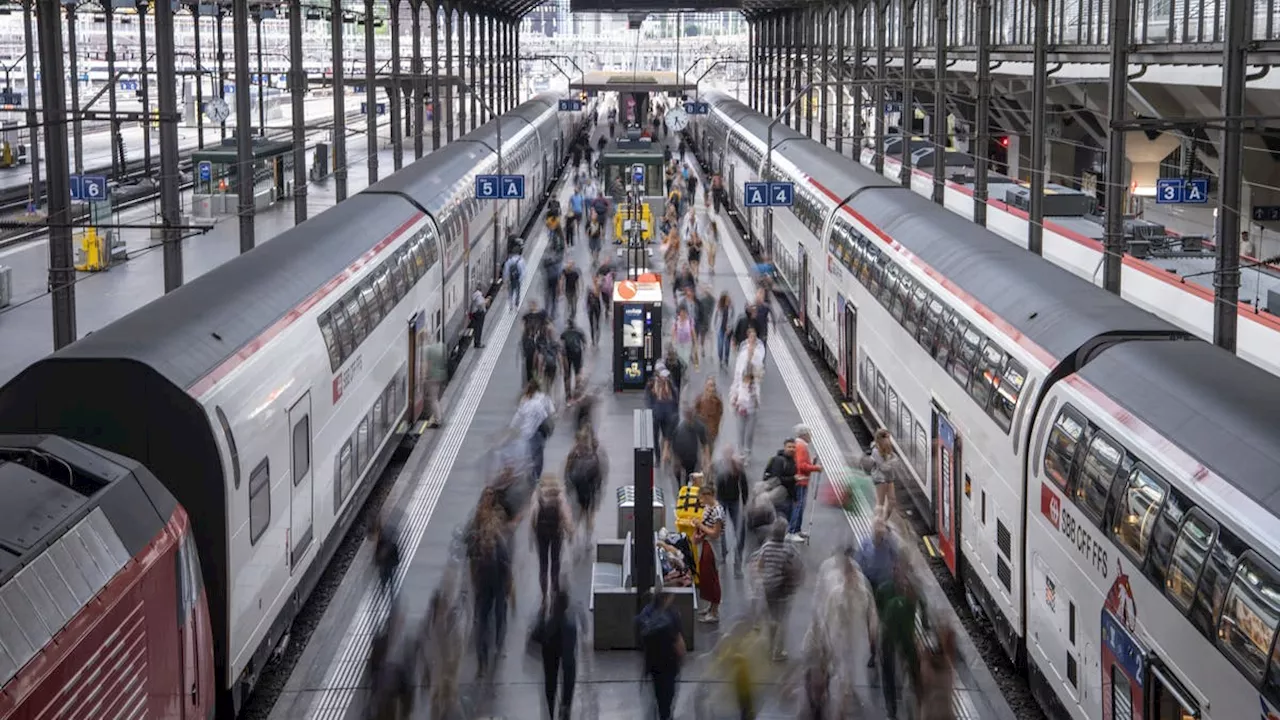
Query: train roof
[73,517]
[1053,308]
[432,182]
[1218,408]
[189,332]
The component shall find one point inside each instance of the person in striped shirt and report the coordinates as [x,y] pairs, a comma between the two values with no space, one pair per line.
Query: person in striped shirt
[779,572]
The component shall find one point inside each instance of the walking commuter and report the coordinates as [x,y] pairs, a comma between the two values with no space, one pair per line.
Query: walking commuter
[595,307]
[513,271]
[878,555]
[780,571]
[711,238]
[687,445]
[744,398]
[732,491]
[550,525]
[898,604]
[706,310]
[386,549]
[552,275]
[595,236]
[534,423]
[782,467]
[575,216]
[937,677]
[709,528]
[557,634]
[534,324]
[573,343]
[660,396]
[750,356]
[885,463]
[489,556]
[804,469]
[437,375]
[479,306]
[683,335]
[663,647]
[709,408]
[572,280]
[584,475]
[724,329]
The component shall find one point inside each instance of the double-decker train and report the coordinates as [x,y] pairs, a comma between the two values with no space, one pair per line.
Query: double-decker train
[1102,484]
[267,394]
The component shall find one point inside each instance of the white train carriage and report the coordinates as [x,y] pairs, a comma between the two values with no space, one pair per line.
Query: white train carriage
[269,392]
[1152,537]
[1075,453]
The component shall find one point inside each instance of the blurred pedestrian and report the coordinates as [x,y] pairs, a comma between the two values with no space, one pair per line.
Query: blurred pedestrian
[550,526]
[557,633]
[779,571]
[710,527]
[732,492]
[663,647]
[489,557]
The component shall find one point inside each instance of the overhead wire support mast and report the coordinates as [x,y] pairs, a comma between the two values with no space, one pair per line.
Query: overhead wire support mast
[1226,281]
[167,98]
[62,273]
[1118,90]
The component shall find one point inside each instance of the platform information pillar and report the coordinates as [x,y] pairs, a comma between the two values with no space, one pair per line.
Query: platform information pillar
[643,551]
[637,332]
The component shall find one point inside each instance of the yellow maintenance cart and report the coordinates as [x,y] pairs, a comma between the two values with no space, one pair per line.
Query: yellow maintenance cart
[623,218]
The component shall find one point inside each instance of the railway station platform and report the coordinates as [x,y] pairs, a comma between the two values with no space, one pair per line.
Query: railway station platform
[441,482]
[104,297]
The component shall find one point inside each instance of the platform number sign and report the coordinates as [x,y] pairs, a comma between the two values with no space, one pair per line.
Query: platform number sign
[88,188]
[755,194]
[570,105]
[205,170]
[697,108]
[1177,191]
[1266,213]
[782,194]
[499,187]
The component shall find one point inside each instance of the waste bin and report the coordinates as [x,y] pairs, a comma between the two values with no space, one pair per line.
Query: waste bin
[627,510]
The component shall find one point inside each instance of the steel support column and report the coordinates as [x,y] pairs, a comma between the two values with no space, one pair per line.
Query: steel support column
[62,272]
[776,52]
[394,93]
[1118,93]
[195,32]
[169,179]
[826,12]
[808,35]
[787,46]
[791,44]
[906,118]
[244,136]
[982,113]
[337,28]
[33,119]
[297,95]
[940,101]
[491,76]
[1226,282]
[751,55]
[370,93]
[415,68]
[858,10]
[515,64]
[117,142]
[881,85]
[1039,118]
[449,86]
[262,103]
[222,68]
[473,60]
[73,75]
[144,86]
[435,76]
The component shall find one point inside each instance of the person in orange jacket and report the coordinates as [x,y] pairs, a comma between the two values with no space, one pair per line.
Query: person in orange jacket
[804,468]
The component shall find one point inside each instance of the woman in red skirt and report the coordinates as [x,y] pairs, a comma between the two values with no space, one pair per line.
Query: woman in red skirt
[708,530]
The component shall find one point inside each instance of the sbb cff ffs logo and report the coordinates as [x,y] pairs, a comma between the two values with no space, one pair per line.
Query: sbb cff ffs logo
[1051,506]
[1075,532]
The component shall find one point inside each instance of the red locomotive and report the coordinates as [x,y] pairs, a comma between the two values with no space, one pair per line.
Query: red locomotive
[102,603]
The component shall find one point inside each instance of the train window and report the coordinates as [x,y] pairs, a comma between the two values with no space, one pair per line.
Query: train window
[385,291]
[301,448]
[890,414]
[1250,615]
[372,303]
[1060,451]
[359,328]
[946,330]
[231,445]
[341,323]
[898,300]
[1097,471]
[1219,567]
[1164,533]
[398,281]
[419,254]
[370,421]
[920,449]
[914,313]
[330,341]
[889,284]
[1271,686]
[362,446]
[1005,398]
[408,267]
[342,476]
[880,395]
[875,271]
[1139,508]
[259,500]
[984,379]
[964,350]
[1187,560]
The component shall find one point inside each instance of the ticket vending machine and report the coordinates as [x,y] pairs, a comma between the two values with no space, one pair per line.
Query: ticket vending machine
[637,332]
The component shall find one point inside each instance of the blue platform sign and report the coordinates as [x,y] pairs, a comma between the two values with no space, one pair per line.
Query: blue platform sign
[88,188]
[755,194]
[697,108]
[205,171]
[570,105]
[486,187]
[381,108]
[782,194]
[512,187]
[1177,191]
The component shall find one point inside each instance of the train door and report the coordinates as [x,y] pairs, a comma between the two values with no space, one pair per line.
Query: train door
[190,628]
[417,365]
[562,159]
[804,291]
[300,530]
[946,501]
[733,190]
[1123,671]
[848,347]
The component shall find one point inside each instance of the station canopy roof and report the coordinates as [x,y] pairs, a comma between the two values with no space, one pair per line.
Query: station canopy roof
[627,81]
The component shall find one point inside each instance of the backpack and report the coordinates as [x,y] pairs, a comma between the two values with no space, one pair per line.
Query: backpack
[513,274]
[548,520]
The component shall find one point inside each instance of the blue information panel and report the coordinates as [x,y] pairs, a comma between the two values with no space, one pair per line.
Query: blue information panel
[782,194]
[1177,191]
[499,187]
[88,188]
[755,194]
[205,171]
[380,108]
[697,108]
[570,105]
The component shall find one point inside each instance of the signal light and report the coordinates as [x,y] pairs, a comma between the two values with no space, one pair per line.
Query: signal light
[1004,141]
